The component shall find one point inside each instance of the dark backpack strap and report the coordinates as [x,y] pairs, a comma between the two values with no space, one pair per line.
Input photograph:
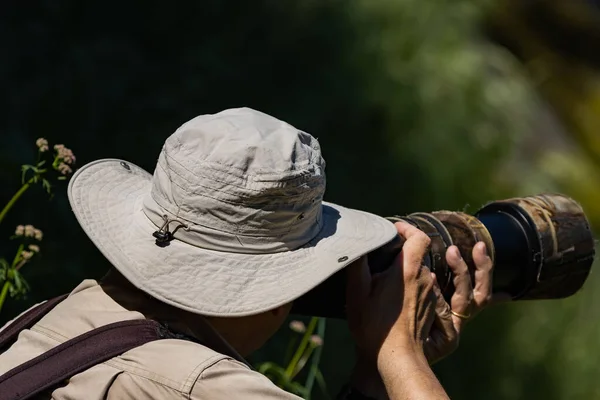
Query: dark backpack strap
[9,334]
[76,355]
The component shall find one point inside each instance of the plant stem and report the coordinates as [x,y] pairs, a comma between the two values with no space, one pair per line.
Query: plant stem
[303,360]
[309,330]
[290,349]
[20,264]
[3,293]
[314,365]
[17,256]
[14,199]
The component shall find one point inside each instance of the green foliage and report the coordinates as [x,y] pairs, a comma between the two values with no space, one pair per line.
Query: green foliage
[414,111]
[12,281]
[455,106]
[308,351]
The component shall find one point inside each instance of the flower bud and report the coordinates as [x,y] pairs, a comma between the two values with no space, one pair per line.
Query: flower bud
[298,326]
[37,234]
[20,230]
[42,144]
[316,340]
[29,231]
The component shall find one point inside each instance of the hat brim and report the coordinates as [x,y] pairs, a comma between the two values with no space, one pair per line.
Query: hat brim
[107,198]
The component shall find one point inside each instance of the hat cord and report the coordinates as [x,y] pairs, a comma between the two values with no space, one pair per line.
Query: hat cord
[164,235]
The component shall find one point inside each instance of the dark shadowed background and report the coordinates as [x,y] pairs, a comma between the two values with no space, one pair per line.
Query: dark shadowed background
[418,105]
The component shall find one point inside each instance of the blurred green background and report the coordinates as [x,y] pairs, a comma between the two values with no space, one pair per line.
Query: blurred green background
[418,104]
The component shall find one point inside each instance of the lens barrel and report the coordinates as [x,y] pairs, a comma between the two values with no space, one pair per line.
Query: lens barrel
[551,251]
[542,247]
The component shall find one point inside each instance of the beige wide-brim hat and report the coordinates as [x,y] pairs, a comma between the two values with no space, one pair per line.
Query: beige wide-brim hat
[240,193]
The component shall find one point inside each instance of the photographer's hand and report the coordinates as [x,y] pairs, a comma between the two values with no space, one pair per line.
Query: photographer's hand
[465,303]
[390,316]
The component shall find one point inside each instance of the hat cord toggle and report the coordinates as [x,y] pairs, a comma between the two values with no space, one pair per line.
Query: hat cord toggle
[164,235]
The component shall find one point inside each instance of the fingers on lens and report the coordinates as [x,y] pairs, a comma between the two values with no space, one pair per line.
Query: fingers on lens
[481,258]
[457,264]
[462,281]
[416,244]
[483,275]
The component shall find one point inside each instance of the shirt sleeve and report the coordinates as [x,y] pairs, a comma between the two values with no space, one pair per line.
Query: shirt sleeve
[229,379]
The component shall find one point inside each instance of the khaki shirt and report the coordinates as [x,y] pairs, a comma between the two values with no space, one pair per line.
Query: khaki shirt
[163,369]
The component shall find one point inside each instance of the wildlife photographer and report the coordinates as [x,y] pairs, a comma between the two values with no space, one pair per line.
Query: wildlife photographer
[217,245]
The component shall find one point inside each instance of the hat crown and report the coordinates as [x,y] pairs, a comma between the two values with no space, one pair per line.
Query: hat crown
[242,180]
[247,142]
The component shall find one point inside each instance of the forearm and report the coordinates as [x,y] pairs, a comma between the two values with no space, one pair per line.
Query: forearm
[407,375]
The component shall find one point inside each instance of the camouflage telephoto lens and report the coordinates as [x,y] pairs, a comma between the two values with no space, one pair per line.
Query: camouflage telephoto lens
[542,248]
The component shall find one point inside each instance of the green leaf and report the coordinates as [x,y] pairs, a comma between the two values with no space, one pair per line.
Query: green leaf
[297,388]
[24,169]
[26,287]
[41,163]
[262,368]
[321,383]
[272,368]
[46,184]
[4,266]
[20,286]
[18,282]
